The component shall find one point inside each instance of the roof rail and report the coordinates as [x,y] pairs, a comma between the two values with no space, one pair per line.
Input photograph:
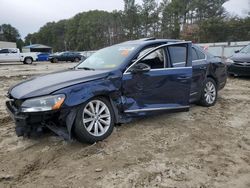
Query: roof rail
[147,39]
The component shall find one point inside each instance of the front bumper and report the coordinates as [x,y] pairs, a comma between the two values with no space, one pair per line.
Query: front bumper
[240,69]
[34,124]
[21,120]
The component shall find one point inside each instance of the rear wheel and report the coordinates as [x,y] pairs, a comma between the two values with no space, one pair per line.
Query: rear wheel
[94,121]
[209,93]
[28,60]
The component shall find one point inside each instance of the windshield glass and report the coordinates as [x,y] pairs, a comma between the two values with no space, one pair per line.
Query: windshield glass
[245,49]
[107,58]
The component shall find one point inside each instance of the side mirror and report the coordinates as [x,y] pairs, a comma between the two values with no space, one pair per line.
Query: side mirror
[140,67]
[236,51]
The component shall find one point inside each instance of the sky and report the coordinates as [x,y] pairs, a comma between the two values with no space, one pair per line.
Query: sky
[29,15]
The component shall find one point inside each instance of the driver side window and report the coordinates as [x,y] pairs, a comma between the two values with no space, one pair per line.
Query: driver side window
[156,59]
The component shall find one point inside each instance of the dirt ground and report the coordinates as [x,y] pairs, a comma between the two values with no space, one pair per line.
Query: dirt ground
[205,147]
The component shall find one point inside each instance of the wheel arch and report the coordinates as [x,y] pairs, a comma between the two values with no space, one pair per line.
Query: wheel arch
[70,120]
[111,100]
[27,58]
[214,78]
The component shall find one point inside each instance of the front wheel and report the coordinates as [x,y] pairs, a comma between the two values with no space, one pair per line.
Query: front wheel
[209,93]
[94,121]
[76,59]
[54,60]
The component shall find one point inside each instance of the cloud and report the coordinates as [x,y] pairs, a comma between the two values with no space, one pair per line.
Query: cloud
[29,15]
[238,7]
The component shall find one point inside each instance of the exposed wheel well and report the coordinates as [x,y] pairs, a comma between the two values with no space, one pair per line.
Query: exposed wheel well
[28,57]
[107,97]
[212,77]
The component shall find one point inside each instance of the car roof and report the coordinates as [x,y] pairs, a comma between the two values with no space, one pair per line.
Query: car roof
[148,41]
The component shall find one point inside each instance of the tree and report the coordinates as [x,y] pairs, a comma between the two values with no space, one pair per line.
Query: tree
[196,20]
[149,18]
[9,33]
[131,19]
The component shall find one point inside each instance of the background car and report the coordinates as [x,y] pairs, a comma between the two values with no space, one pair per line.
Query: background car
[87,53]
[43,57]
[239,63]
[66,56]
[14,55]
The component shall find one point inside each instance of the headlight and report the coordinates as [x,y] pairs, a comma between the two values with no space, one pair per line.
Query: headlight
[229,61]
[42,104]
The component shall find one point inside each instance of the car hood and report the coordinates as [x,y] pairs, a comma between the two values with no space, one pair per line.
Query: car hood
[49,83]
[241,57]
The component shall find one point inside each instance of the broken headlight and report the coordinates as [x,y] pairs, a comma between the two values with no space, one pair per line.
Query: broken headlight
[41,104]
[229,61]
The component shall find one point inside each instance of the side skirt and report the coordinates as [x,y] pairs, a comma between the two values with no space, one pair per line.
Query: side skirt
[184,108]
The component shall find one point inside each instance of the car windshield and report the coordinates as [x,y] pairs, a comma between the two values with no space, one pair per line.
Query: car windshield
[245,50]
[107,58]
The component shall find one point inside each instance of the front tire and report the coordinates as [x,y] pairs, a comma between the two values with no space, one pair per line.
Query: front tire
[94,121]
[209,93]
[76,59]
[54,60]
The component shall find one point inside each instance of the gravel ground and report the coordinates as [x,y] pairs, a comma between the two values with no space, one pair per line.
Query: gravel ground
[205,147]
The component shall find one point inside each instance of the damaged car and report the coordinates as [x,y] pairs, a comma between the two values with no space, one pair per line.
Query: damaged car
[115,85]
[239,63]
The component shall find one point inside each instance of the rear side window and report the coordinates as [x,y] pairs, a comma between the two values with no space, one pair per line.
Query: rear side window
[4,51]
[178,55]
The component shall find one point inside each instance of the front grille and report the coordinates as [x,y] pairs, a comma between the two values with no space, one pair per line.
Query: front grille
[242,63]
[239,69]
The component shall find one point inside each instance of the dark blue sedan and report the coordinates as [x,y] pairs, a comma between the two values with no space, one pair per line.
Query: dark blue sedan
[115,85]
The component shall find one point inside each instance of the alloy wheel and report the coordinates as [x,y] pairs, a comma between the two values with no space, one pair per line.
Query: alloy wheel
[210,92]
[96,118]
[28,61]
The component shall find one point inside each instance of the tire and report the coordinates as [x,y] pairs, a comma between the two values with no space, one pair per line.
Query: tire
[232,75]
[209,93]
[28,60]
[91,126]
[54,60]
[76,59]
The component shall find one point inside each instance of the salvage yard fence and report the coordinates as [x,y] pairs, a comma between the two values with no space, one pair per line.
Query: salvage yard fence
[224,49]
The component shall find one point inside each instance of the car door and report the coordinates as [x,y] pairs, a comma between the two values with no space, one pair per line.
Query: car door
[199,63]
[13,55]
[63,57]
[164,87]
[71,56]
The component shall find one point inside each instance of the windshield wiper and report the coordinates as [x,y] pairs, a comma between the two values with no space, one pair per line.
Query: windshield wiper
[85,68]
